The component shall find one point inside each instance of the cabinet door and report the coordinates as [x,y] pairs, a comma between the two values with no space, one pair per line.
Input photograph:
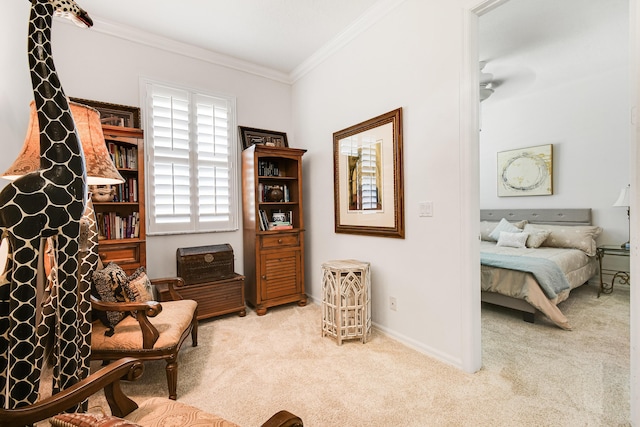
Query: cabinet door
[280,273]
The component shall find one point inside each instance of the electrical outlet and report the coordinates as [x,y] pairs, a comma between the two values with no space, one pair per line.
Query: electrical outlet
[393,304]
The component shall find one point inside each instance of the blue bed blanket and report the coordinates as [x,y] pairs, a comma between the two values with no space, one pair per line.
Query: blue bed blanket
[547,273]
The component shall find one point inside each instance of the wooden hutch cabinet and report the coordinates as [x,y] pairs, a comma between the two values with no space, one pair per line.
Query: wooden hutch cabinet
[121,222]
[273,225]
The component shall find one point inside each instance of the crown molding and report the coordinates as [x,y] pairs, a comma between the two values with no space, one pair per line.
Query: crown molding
[487,6]
[145,38]
[374,14]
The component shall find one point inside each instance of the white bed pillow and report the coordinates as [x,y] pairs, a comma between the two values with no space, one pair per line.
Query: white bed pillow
[512,240]
[537,238]
[569,236]
[503,225]
[486,227]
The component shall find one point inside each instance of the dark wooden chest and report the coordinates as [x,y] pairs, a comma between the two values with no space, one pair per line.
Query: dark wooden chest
[203,264]
[210,280]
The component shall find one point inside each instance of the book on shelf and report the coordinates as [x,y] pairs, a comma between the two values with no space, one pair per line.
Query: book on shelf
[133,189]
[123,157]
[284,222]
[112,225]
[127,191]
[262,216]
[268,168]
[280,225]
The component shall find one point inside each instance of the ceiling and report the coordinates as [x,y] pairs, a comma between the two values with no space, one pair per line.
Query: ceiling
[526,43]
[276,34]
[536,44]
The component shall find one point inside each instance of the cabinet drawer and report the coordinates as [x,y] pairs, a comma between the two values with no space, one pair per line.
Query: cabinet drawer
[122,254]
[276,241]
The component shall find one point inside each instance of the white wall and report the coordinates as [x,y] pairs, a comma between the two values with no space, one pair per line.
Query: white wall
[411,59]
[92,65]
[15,84]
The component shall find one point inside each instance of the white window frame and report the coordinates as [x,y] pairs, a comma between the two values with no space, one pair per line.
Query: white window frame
[191,221]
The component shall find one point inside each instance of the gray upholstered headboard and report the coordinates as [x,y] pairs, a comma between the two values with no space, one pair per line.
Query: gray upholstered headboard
[540,216]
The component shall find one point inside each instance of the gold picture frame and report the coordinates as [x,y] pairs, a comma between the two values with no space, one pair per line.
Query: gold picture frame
[368,177]
[526,171]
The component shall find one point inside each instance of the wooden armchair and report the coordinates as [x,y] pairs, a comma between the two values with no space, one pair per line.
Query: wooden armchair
[156,332]
[154,412]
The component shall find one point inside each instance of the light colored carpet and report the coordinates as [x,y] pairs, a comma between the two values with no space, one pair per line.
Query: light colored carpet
[246,369]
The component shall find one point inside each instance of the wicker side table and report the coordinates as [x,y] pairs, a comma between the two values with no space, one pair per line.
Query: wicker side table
[346,299]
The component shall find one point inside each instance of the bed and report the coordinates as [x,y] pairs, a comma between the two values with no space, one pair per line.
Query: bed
[556,255]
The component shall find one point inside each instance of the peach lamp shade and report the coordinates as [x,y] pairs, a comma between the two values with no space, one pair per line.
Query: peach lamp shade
[100,167]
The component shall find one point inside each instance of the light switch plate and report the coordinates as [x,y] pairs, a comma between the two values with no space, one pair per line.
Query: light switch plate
[425,209]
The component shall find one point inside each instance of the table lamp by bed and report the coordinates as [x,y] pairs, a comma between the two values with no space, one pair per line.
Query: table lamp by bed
[623,201]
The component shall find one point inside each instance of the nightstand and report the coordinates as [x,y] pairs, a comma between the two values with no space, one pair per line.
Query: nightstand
[623,277]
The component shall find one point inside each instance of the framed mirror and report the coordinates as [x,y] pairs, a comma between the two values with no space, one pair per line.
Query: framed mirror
[368,178]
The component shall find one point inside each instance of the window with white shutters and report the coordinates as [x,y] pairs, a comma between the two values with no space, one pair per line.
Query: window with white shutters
[191,182]
[365,172]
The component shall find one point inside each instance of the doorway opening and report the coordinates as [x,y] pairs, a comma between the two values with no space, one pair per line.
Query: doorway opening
[627,173]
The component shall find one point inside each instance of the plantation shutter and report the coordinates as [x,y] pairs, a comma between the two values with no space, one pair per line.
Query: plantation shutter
[213,151]
[191,145]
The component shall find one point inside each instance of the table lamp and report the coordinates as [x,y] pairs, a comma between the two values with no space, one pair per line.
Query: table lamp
[98,163]
[623,201]
[99,166]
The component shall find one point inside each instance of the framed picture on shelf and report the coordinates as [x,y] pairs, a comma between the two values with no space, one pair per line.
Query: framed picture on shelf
[114,114]
[253,136]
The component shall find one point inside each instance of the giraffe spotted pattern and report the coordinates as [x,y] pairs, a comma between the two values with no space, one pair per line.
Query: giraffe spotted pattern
[47,203]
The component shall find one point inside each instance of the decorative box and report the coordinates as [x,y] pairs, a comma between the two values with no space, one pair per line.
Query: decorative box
[202,264]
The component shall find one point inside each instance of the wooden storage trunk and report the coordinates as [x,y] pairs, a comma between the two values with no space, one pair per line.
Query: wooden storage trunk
[202,264]
[208,273]
[214,298]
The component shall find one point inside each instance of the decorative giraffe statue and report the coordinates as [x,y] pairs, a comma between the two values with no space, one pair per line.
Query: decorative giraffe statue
[46,203]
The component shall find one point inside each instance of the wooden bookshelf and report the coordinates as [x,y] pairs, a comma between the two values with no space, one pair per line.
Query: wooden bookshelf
[121,222]
[273,225]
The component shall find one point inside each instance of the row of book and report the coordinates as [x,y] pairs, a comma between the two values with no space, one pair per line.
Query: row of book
[123,157]
[268,168]
[127,191]
[281,221]
[112,225]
